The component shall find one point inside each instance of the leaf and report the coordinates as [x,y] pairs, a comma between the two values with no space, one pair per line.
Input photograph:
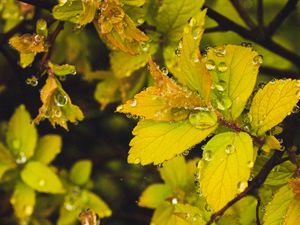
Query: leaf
[21,135]
[76,11]
[134,2]
[41,28]
[7,161]
[293,213]
[23,201]
[96,204]
[273,103]
[295,186]
[276,210]
[62,70]
[41,178]
[154,142]
[173,15]
[271,143]
[189,214]
[80,172]
[47,148]
[234,69]
[57,106]
[189,68]
[117,29]
[154,195]
[26,59]
[225,167]
[166,101]
[174,172]
[163,215]
[28,43]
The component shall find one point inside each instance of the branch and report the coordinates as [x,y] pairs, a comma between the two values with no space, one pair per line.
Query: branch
[215,29]
[279,73]
[253,36]
[281,16]
[260,13]
[44,4]
[257,211]
[243,13]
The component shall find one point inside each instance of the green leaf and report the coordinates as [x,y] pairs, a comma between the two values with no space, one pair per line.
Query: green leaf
[273,103]
[189,68]
[234,70]
[155,142]
[276,210]
[174,172]
[225,167]
[173,15]
[23,201]
[47,148]
[41,28]
[134,2]
[163,215]
[7,161]
[293,213]
[41,178]
[80,172]
[281,174]
[189,214]
[26,59]
[95,203]
[62,70]
[154,195]
[21,135]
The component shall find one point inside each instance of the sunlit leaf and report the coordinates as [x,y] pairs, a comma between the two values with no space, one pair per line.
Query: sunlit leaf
[166,101]
[293,213]
[21,136]
[28,43]
[57,106]
[41,178]
[189,68]
[163,215]
[295,185]
[273,103]
[189,214]
[118,29]
[154,142]
[276,210]
[225,167]
[41,28]
[234,72]
[47,148]
[80,172]
[271,143]
[173,15]
[23,201]
[26,59]
[96,204]
[154,195]
[62,70]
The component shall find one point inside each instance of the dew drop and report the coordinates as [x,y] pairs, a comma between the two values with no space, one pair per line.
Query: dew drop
[186,30]
[296,109]
[192,22]
[144,46]
[229,149]
[174,201]
[69,206]
[242,186]
[133,103]
[222,67]
[210,65]
[207,155]
[258,60]
[32,81]
[298,93]
[38,38]
[60,99]
[140,21]
[137,161]
[185,153]
[220,51]
[273,81]
[196,33]
[250,164]
[164,70]
[21,158]
[219,87]
[119,108]
[178,52]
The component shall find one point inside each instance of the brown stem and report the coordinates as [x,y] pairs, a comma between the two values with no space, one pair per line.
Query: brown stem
[260,13]
[243,13]
[281,16]
[257,211]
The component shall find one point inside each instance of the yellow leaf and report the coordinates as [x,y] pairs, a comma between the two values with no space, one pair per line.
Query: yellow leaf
[225,167]
[271,143]
[57,106]
[163,215]
[234,69]
[293,213]
[157,142]
[166,101]
[28,43]
[118,29]
[190,70]
[273,103]
[295,185]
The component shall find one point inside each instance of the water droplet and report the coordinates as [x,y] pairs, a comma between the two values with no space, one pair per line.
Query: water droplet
[119,108]
[229,149]
[185,153]
[210,65]
[144,46]
[273,81]
[258,60]
[282,148]
[164,70]
[246,44]
[41,182]
[222,67]
[207,155]
[32,81]
[250,164]
[196,33]
[207,208]
[38,38]
[220,51]
[69,206]
[137,161]
[21,158]
[174,201]
[192,22]
[296,109]
[60,99]
[178,52]
[219,87]
[133,103]
[242,186]
[203,119]
[186,30]
[140,21]
[261,85]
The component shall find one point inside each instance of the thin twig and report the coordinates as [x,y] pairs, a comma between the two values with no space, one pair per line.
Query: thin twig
[257,211]
[243,13]
[281,16]
[253,36]
[260,13]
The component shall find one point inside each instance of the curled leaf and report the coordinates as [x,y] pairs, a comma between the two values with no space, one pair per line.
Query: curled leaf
[57,106]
